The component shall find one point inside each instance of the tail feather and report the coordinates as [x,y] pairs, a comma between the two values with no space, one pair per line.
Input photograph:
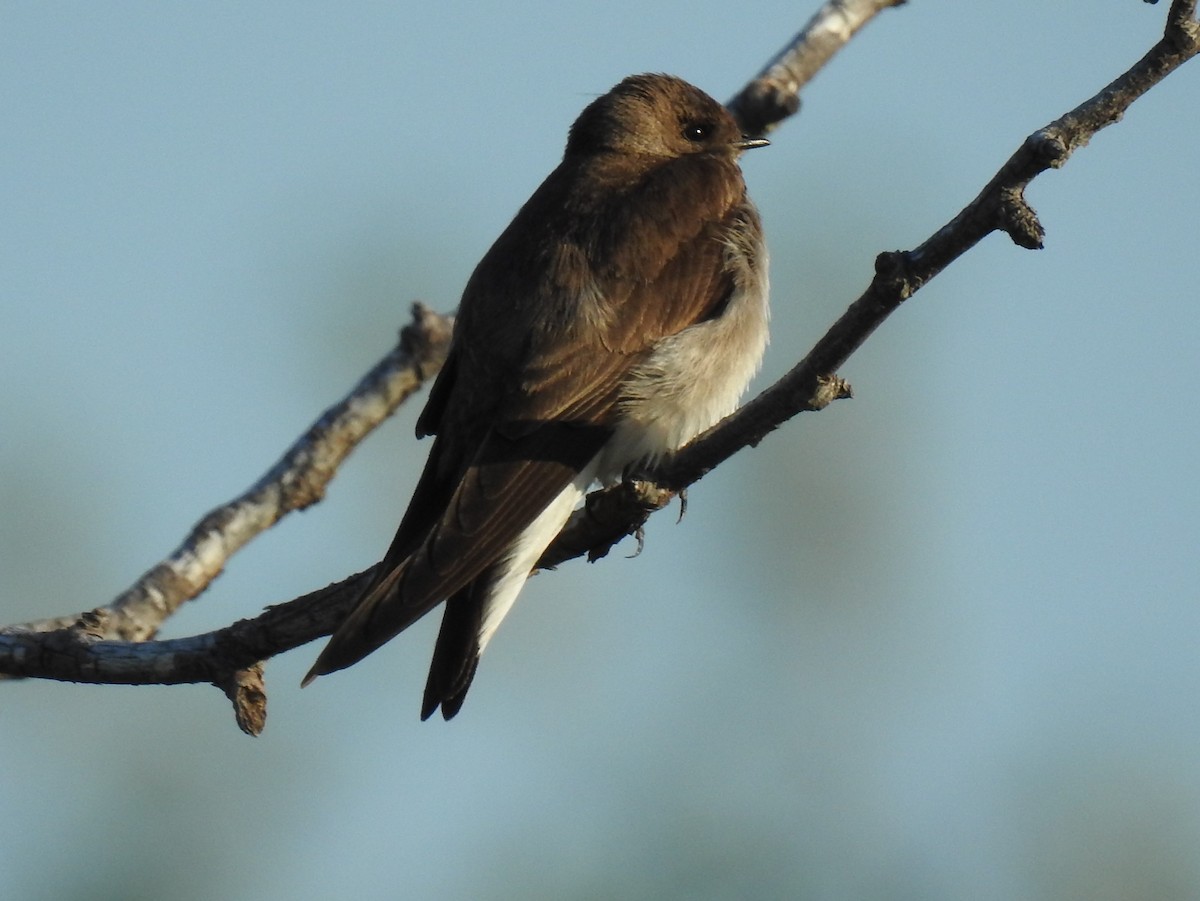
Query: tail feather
[457,651]
[481,593]
[453,703]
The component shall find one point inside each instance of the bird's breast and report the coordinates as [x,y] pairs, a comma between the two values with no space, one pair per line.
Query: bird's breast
[694,378]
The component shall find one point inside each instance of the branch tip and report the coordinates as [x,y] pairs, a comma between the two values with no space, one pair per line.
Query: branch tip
[765,104]
[246,689]
[1019,220]
[427,330]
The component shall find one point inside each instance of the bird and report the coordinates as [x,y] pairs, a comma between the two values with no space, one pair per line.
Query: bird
[622,312]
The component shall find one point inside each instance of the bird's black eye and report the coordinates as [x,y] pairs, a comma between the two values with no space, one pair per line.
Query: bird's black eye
[697,131]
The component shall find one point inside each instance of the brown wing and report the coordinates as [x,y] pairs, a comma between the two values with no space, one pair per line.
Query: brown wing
[533,391]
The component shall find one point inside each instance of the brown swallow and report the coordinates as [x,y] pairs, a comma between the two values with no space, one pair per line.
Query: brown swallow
[621,313]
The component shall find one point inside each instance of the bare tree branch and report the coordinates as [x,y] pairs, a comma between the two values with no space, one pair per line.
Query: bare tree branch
[81,648]
[296,481]
[774,93]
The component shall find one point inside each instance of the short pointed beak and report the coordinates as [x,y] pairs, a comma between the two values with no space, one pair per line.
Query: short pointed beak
[750,143]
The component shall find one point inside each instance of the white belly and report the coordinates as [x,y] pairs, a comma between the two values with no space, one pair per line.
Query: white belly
[695,378]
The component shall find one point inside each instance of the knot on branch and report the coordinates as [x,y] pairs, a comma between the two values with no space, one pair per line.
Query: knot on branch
[892,274]
[830,388]
[1048,148]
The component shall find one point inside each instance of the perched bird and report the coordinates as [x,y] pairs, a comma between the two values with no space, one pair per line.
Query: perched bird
[621,313]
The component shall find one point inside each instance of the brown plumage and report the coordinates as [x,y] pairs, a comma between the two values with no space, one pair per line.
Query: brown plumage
[621,312]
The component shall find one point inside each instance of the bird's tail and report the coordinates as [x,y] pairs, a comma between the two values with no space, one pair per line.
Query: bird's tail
[376,620]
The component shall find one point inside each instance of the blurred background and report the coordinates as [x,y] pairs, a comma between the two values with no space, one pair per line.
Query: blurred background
[935,642]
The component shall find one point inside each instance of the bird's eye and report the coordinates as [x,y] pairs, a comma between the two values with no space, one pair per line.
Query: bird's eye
[697,131]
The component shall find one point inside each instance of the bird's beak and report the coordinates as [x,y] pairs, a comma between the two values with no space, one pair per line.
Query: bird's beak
[750,143]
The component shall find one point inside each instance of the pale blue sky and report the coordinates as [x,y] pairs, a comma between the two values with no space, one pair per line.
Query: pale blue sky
[936,642]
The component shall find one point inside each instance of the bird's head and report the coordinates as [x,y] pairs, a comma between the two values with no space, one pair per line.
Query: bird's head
[657,115]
